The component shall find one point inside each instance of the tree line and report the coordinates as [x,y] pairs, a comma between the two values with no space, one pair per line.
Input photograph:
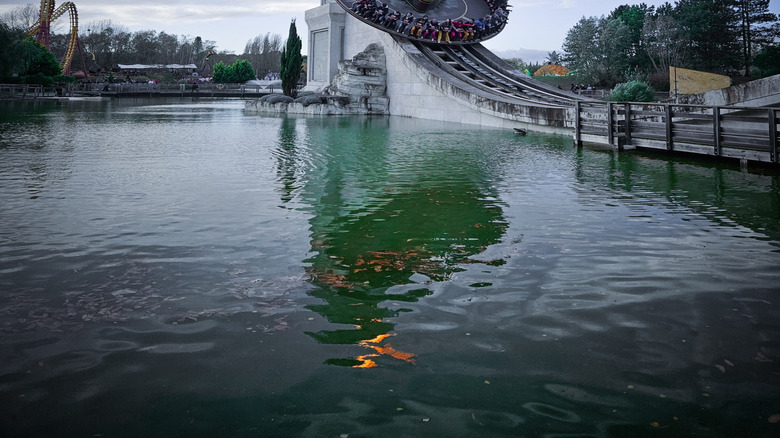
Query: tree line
[105,44]
[640,42]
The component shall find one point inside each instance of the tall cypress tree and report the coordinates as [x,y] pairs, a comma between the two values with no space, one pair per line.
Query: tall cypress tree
[292,61]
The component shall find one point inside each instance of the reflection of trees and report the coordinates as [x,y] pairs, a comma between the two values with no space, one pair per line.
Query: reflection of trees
[715,191]
[375,227]
[285,159]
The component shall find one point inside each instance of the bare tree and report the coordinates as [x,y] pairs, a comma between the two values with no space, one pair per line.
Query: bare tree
[23,17]
[264,52]
[665,42]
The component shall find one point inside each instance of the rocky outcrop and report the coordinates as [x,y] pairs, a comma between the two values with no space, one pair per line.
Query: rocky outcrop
[360,87]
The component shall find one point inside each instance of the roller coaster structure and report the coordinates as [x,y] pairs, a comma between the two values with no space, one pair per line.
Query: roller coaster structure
[42,28]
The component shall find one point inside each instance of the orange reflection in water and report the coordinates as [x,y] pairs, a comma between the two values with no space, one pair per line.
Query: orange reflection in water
[386,349]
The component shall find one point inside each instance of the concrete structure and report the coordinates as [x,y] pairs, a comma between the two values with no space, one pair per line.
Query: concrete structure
[415,87]
[686,81]
[761,92]
[469,84]
[358,88]
[326,43]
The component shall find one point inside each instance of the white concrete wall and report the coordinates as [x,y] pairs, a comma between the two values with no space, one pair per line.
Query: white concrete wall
[359,35]
[326,51]
[761,92]
[415,92]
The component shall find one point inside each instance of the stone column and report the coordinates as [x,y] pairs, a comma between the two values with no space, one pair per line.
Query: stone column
[326,25]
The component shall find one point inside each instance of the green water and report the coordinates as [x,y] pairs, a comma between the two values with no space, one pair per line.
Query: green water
[181,268]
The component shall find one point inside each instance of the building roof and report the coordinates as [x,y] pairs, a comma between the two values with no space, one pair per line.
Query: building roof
[156,66]
[552,70]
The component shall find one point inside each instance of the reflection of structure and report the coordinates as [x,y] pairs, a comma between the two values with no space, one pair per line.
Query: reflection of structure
[373,233]
[42,29]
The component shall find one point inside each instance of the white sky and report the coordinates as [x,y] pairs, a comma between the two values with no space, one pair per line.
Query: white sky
[533,24]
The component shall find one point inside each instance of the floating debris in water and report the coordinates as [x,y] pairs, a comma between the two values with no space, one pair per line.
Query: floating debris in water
[761,357]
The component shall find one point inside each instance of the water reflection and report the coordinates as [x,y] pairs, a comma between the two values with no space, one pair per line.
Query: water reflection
[382,218]
[725,195]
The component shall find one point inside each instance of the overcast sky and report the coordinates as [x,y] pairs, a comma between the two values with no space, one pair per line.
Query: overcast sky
[533,24]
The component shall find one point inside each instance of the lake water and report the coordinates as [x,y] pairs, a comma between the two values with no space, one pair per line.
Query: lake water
[183,268]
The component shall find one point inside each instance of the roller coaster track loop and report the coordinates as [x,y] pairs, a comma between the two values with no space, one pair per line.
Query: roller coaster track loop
[42,28]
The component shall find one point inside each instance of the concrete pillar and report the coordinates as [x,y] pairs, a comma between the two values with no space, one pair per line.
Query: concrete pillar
[326,25]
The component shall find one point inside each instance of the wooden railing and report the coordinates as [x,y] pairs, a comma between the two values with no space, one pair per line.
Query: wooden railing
[24,91]
[748,133]
[173,88]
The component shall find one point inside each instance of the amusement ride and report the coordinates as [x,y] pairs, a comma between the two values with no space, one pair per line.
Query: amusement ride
[453,22]
[42,28]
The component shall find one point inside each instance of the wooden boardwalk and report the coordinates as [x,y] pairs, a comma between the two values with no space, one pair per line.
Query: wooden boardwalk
[745,133]
[136,90]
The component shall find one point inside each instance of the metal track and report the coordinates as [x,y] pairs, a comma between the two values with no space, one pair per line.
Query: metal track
[42,28]
[466,63]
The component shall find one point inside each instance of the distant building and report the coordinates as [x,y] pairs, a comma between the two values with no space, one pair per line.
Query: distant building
[145,69]
[552,70]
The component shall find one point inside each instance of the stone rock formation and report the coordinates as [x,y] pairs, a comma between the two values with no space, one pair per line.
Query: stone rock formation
[360,87]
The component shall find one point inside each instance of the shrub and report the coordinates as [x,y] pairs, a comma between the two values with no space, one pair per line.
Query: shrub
[768,61]
[632,91]
[239,71]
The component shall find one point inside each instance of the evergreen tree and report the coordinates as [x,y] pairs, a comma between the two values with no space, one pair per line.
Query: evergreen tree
[711,26]
[291,63]
[768,61]
[599,48]
[580,47]
[239,71]
[242,71]
[754,15]
[44,64]
[634,17]
[221,74]
[16,53]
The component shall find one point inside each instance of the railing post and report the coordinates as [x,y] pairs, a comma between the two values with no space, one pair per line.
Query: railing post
[627,123]
[773,153]
[716,130]
[610,122]
[577,127]
[668,122]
